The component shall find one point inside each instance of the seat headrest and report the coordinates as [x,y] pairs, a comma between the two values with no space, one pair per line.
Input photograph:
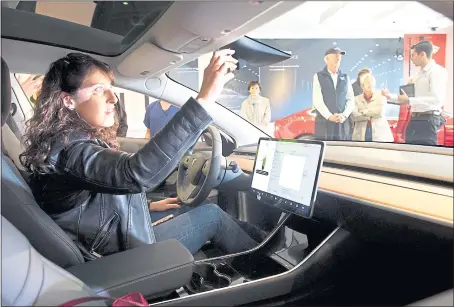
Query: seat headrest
[6,92]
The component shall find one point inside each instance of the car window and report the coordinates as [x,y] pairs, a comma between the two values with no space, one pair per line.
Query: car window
[133,106]
[290,105]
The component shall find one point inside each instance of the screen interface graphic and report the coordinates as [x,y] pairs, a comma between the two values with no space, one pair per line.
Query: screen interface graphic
[286,173]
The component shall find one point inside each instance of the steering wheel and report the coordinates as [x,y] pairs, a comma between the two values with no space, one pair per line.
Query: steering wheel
[199,173]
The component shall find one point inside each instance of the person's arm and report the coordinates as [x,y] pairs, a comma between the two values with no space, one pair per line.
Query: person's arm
[106,170]
[358,116]
[243,111]
[438,82]
[146,119]
[350,104]
[377,108]
[317,99]
[267,115]
[393,98]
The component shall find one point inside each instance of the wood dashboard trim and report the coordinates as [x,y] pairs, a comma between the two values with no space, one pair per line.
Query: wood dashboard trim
[426,203]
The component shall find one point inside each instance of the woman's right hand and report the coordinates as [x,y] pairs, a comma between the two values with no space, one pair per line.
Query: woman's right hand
[218,72]
[164,204]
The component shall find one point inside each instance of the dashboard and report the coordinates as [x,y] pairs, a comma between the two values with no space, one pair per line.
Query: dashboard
[426,199]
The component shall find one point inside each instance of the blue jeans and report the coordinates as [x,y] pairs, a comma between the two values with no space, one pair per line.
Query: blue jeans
[157,215]
[196,226]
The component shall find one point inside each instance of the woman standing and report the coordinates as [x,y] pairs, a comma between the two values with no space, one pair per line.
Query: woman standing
[256,108]
[370,123]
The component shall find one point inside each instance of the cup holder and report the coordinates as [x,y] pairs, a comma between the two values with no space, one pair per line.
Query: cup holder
[208,276]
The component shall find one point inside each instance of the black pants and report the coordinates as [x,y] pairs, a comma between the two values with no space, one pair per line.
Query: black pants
[329,131]
[422,130]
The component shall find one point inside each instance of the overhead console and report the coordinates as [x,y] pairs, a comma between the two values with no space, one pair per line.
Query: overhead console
[195,25]
[182,34]
[138,63]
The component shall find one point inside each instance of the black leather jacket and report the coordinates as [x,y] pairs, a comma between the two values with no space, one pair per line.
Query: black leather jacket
[96,194]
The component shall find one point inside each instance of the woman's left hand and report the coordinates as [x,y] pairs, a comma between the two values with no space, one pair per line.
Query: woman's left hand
[165,204]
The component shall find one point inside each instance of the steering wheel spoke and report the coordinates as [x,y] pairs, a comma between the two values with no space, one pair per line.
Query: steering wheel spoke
[198,173]
[206,168]
[189,192]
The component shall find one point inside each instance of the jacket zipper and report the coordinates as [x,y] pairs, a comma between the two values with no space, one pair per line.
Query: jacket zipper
[104,234]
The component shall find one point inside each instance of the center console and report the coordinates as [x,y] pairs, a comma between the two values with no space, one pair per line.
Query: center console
[257,276]
[285,176]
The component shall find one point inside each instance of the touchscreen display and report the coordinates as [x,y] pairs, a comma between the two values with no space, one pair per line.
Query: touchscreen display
[286,174]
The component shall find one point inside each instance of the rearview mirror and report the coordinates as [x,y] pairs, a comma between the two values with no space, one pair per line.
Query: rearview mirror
[254,53]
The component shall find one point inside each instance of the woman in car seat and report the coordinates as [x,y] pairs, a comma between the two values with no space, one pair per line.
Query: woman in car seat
[92,190]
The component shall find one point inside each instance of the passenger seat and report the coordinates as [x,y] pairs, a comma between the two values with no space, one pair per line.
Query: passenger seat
[29,279]
[11,134]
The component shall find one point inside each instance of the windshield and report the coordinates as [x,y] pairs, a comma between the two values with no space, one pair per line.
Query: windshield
[384,76]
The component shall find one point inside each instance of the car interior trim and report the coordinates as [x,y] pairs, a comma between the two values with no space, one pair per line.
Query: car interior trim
[314,251]
[380,192]
[395,158]
[265,241]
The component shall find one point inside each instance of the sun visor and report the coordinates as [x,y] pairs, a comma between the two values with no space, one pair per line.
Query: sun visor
[148,59]
[256,53]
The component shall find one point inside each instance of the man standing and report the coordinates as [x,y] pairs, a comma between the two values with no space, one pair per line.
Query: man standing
[430,93]
[158,114]
[333,99]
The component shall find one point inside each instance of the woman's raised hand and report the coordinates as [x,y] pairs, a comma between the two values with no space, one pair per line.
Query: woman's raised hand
[218,72]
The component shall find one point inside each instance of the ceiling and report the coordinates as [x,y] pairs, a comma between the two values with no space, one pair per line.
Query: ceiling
[354,19]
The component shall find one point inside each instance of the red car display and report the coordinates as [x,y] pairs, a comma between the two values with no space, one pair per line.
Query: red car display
[301,125]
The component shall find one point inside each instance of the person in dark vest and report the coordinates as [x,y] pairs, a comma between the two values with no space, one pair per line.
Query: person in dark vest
[333,99]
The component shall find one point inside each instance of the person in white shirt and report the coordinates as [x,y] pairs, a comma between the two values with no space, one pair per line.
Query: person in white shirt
[430,93]
[256,108]
[333,99]
[370,123]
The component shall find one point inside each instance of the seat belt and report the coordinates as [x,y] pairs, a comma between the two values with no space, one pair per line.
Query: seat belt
[14,128]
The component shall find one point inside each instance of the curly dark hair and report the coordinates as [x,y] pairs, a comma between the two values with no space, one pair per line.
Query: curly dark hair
[52,120]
